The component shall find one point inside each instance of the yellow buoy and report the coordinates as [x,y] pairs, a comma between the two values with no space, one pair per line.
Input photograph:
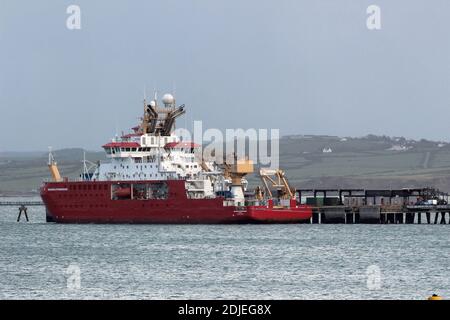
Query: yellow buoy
[435,297]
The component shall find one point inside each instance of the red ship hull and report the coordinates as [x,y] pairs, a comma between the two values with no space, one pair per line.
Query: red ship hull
[91,202]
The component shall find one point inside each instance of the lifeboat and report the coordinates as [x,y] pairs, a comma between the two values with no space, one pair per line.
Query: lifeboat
[123,192]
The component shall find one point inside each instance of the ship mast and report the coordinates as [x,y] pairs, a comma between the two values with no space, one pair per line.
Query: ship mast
[87,170]
[160,120]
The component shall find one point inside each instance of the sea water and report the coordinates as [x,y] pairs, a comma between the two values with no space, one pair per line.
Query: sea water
[40,260]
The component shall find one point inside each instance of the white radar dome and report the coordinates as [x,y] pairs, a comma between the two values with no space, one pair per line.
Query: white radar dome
[153,103]
[168,99]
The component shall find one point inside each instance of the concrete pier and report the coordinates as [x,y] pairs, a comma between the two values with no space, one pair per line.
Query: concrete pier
[353,206]
[375,215]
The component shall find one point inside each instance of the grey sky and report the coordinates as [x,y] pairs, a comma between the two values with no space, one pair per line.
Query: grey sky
[308,67]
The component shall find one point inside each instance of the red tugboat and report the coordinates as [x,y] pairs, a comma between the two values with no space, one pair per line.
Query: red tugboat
[154,177]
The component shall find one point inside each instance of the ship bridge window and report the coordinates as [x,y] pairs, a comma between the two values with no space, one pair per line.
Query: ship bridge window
[108,150]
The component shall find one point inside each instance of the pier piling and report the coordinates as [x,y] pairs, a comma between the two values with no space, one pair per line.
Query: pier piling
[442,217]
[409,217]
[23,209]
[436,217]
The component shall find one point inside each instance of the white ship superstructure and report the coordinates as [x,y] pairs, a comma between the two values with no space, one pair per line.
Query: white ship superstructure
[154,152]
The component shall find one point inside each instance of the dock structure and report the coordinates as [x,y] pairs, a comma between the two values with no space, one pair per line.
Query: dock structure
[23,207]
[354,206]
[19,203]
[351,206]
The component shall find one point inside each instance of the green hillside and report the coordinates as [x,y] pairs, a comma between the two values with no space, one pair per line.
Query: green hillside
[367,162]
[23,173]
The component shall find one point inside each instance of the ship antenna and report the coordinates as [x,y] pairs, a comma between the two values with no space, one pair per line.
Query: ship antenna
[143,126]
[145,98]
[116,136]
[174,87]
[159,151]
[174,105]
[185,123]
[84,165]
